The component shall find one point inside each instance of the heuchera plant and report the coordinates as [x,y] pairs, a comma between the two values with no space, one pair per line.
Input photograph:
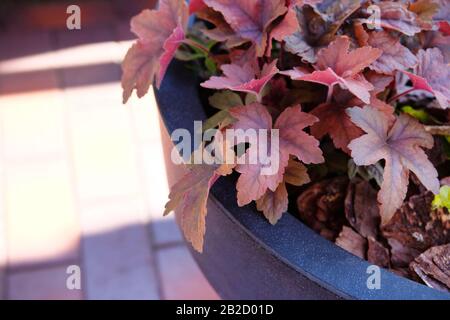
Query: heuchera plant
[375,87]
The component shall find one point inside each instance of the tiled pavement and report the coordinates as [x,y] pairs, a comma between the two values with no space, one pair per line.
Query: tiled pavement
[82,178]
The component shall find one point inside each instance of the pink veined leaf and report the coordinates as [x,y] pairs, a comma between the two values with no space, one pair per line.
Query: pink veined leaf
[242,77]
[252,184]
[336,65]
[432,74]
[395,56]
[400,144]
[159,34]
[170,47]
[250,19]
[196,5]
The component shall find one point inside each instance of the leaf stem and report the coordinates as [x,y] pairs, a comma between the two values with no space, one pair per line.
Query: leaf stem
[401,95]
[282,55]
[329,94]
[438,130]
[197,45]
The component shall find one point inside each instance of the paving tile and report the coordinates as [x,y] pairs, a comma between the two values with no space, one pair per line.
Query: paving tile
[90,34]
[52,15]
[41,223]
[106,215]
[18,43]
[46,284]
[33,126]
[28,82]
[181,277]
[145,118]
[88,75]
[166,231]
[104,97]
[154,174]
[146,125]
[127,9]
[103,145]
[117,260]
[3,256]
[123,31]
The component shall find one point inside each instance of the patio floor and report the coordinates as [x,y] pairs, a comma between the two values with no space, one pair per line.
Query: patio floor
[82,179]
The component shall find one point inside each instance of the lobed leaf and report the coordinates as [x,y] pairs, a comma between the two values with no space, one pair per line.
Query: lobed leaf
[160,32]
[399,144]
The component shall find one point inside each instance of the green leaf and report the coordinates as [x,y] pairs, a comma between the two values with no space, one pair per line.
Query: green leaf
[367,173]
[184,55]
[210,65]
[442,200]
[222,117]
[419,114]
[223,100]
[250,98]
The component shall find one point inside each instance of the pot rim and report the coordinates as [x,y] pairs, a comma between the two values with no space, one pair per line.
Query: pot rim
[290,240]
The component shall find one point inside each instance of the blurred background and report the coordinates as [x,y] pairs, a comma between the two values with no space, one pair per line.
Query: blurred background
[82,177]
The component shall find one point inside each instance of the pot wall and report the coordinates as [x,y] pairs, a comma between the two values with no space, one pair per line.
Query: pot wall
[247,258]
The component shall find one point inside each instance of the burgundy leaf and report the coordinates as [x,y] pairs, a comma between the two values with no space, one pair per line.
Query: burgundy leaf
[335,121]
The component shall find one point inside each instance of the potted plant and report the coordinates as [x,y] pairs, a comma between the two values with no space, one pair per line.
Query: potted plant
[323,122]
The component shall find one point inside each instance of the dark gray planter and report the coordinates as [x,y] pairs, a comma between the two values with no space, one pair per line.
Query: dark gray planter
[247,258]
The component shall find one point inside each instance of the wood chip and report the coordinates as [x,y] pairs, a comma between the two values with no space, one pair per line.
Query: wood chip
[414,228]
[361,209]
[352,242]
[377,253]
[433,267]
[321,206]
